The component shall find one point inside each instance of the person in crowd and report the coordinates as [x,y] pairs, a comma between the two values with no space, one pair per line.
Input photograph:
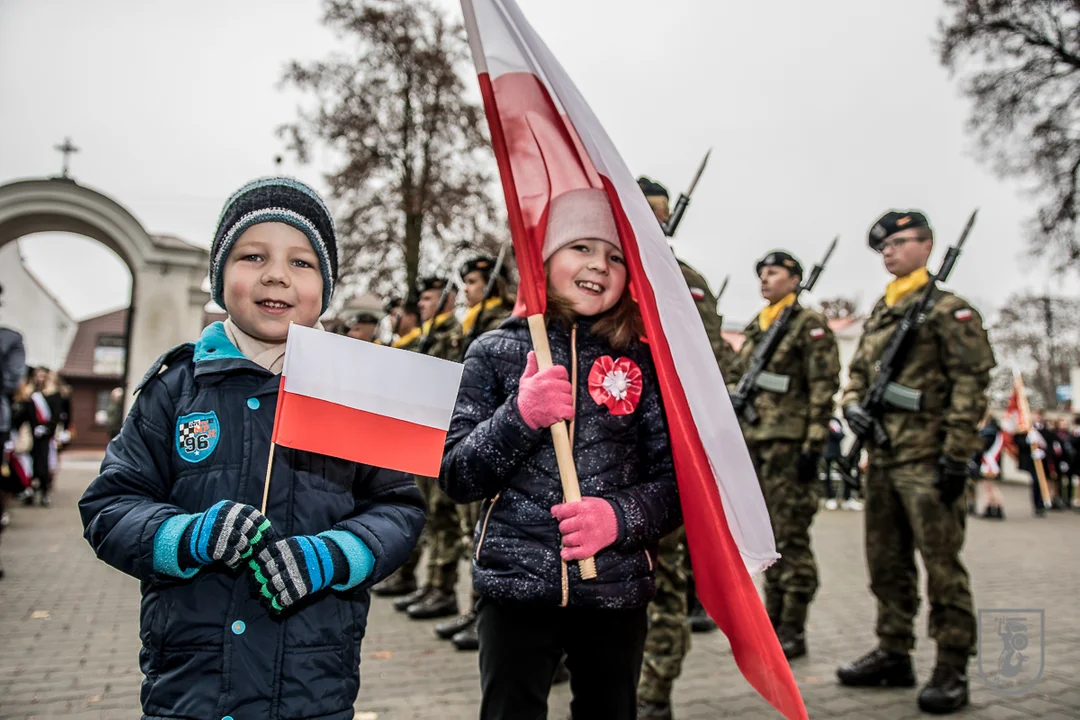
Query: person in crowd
[534,605]
[266,613]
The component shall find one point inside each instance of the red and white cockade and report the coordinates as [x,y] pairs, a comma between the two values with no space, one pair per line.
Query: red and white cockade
[615,383]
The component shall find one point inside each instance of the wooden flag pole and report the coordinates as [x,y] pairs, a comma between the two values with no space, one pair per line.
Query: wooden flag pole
[266,483]
[564,453]
[1025,419]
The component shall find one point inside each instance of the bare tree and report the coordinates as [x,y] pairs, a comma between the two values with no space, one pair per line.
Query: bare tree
[838,308]
[414,179]
[1038,335]
[1020,63]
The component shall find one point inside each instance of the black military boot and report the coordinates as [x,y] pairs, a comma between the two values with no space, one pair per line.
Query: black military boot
[700,622]
[397,584]
[648,710]
[946,692]
[436,604]
[450,628]
[878,668]
[402,603]
[792,641]
[467,639]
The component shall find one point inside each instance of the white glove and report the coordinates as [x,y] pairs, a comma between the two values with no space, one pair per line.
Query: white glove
[39,431]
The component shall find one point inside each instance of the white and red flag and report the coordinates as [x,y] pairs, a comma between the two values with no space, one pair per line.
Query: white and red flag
[547,141]
[365,402]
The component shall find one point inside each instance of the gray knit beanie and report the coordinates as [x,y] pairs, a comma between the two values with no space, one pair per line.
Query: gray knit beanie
[275,199]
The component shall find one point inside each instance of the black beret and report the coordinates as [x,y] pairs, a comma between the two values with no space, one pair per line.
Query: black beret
[893,222]
[651,188]
[781,259]
[483,264]
[364,318]
[410,307]
[394,302]
[430,283]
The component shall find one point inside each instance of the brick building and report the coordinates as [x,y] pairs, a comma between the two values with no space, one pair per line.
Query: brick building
[94,366]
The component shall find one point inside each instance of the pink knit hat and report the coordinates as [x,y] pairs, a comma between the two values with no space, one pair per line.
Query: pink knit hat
[583,214]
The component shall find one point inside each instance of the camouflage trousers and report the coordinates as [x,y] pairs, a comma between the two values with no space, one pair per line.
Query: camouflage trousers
[668,638]
[904,513]
[444,538]
[408,569]
[792,581]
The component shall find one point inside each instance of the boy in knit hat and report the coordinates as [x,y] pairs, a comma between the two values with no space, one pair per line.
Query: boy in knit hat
[246,615]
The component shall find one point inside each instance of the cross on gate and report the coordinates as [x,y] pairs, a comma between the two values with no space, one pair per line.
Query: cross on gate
[66,149]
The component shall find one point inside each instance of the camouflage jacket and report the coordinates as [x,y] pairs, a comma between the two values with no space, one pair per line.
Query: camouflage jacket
[489,320]
[948,367]
[446,340]
[713,321]
[808,363]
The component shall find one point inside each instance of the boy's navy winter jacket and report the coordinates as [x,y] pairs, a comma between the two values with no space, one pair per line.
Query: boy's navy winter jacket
[199,432]
[492,454]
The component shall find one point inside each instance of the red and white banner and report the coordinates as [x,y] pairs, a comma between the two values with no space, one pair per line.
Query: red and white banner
[365,402]
[547,141]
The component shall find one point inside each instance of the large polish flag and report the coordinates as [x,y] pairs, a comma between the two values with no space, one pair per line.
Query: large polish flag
[364,402]
[547,141]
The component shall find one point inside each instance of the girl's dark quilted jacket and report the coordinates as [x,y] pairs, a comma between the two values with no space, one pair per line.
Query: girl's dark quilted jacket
[492,454]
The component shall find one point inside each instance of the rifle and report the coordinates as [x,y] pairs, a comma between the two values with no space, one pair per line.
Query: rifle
[429,337]
[892,360]
[742,397]
[490,288]
[684,200]
[720,294]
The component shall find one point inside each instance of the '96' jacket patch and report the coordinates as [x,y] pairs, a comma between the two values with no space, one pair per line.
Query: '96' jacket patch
[197,436]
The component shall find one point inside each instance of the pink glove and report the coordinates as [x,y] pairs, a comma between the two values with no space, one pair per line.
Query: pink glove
[544,397]
[587,527]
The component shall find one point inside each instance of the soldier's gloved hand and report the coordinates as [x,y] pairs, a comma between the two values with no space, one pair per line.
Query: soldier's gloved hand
[738,401]
[952,479]
[858,419]
[807,466]
[227,531]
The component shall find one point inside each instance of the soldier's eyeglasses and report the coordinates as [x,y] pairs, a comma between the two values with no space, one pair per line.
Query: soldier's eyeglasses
[897,242]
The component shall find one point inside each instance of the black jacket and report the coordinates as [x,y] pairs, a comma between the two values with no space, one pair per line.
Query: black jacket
[492,454]
[210,649]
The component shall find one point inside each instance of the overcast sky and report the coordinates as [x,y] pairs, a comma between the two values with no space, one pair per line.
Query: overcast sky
[821,116]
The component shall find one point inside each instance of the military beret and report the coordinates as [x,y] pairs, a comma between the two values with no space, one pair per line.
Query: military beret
[652,188]
[394,302]
[781,259]
[484,265]
[431,283]
[364,318]
[893,222]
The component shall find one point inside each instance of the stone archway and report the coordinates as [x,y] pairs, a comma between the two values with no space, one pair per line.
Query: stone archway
[167,298]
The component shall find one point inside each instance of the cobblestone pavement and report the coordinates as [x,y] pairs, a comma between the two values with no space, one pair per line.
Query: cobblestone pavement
[69,640]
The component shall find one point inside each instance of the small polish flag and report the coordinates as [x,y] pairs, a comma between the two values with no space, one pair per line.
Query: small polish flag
[963,314]
[364,402]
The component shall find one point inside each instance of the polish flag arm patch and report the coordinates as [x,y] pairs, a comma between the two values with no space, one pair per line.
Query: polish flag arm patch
[697,293]
[817,333]
[963,314]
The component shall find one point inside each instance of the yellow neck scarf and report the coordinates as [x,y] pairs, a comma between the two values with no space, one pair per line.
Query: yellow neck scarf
[474,312]
[407,338]
[439,320]
[900,288]
[769,313]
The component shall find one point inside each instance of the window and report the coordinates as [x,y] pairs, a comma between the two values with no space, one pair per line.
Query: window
[101,409]
[109,355]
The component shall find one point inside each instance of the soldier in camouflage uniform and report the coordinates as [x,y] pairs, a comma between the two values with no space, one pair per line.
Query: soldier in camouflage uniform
[670,617]
[405,324]
[441,338]
[484,314]
[794,402]
[915,486]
